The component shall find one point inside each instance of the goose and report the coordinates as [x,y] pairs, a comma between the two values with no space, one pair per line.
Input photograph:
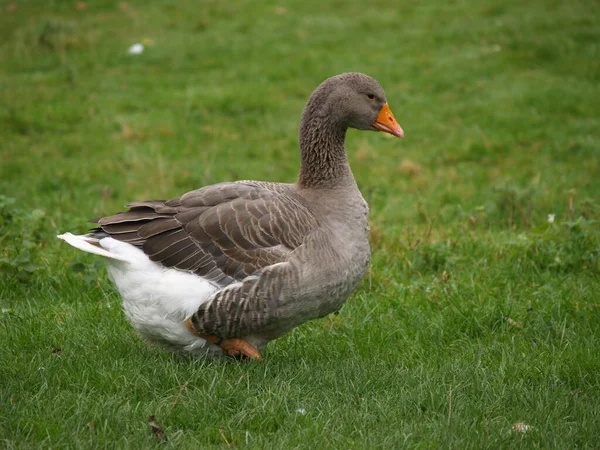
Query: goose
[223,270]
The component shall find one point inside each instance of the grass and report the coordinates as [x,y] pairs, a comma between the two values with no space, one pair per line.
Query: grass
[477,313]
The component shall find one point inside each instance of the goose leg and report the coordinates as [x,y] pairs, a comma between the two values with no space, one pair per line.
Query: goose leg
[234,347]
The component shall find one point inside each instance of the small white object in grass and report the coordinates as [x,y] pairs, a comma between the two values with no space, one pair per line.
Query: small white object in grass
[521,427]
[301,411]
[550,218]
[136,49]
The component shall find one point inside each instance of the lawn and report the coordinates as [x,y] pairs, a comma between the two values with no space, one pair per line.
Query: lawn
[478,325]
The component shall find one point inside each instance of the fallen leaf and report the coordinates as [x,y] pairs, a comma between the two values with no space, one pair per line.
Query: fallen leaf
[81,6]
[156,430]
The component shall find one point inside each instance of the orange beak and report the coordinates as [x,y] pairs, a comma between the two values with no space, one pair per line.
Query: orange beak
[387,122]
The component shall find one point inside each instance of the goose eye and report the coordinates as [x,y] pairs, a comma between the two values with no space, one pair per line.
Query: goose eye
[371,96]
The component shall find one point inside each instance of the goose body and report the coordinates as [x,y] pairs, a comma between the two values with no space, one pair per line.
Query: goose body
[229,267]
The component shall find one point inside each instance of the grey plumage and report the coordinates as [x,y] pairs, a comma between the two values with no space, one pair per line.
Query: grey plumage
[282,253]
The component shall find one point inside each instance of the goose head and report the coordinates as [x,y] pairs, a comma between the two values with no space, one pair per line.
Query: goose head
[356,100]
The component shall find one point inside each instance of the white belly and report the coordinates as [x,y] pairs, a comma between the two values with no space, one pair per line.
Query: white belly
[157,300]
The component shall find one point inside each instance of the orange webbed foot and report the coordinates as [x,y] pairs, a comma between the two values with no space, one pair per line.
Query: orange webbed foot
[234,347]
[240,348]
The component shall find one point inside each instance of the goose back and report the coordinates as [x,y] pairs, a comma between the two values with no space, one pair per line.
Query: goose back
[223,233]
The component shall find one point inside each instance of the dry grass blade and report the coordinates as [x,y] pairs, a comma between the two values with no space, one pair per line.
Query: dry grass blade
[224,438]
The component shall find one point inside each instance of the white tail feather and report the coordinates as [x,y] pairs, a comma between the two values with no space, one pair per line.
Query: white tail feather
[90,245]
[156,299]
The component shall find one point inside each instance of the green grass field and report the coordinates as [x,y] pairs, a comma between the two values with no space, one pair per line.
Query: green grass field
[477,313]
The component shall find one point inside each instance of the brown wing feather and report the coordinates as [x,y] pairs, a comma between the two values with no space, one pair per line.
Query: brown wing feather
[158,226]
[223,232]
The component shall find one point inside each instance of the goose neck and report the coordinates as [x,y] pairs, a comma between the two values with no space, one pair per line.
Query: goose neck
[324,163]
